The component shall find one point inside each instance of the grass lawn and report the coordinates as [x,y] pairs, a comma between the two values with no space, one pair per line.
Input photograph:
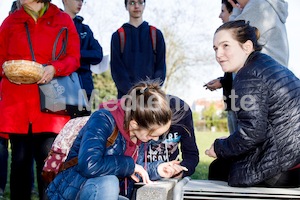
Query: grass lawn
[204,141]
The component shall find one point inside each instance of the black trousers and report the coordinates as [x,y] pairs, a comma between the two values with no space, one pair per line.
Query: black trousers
[3,162]
[219,170]
[24,149]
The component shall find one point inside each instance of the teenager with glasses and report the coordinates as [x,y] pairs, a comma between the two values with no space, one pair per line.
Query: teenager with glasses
[138,60]
[133,3]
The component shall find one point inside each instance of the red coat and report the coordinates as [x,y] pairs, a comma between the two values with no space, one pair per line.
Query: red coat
[20,104]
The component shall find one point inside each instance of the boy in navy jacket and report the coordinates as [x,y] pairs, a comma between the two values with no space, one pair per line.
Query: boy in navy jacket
[138,60]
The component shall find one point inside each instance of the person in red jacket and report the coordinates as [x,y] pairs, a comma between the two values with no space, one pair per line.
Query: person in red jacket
[31,132]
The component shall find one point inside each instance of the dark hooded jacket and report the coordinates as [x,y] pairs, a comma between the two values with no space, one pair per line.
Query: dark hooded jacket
[138,61]
[90,54]
[180,139]
[268,138]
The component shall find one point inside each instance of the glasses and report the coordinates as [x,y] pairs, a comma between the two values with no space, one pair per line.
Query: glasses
[139,3]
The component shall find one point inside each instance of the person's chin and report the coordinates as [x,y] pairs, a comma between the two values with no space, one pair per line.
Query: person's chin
[225,69]
[144,140]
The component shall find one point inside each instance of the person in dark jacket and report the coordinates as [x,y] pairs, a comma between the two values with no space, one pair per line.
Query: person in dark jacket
[265,148]
[225,82]
[142,115]
[180,135]
[138,60]
[90,50]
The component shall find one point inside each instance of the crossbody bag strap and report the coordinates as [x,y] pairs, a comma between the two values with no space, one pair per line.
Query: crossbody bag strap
[29,41]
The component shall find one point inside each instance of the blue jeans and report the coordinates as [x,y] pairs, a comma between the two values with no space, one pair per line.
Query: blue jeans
[3,162]
[232,121]
[104,187]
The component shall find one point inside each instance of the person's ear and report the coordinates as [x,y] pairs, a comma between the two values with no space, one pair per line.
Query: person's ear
[248,46]
[133,125]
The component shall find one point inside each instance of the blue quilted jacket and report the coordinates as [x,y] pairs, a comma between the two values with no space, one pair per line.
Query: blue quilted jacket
[95,159]
[268,138]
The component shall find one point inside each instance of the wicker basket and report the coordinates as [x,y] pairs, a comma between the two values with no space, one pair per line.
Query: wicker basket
[23,71]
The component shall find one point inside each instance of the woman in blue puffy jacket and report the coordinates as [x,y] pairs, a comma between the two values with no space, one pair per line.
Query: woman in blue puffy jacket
[265,148]
[103,171]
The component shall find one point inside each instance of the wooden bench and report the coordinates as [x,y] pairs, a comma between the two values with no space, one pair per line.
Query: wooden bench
[207,189]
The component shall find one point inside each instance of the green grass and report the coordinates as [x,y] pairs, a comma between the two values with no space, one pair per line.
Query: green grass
[204,141]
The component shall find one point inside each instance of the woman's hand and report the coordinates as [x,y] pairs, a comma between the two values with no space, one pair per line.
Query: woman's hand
[234,5]
[48,75]
[213,85]
[211,152]
[142,172]
[170,169]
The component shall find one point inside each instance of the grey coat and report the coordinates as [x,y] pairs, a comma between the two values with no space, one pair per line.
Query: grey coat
[269,16]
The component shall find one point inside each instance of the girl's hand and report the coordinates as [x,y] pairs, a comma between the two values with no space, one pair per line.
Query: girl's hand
[142,172]
[169,169]
[48,75]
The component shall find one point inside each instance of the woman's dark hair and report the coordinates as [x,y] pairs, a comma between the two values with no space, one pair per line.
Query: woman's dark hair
[127,1]
[14,7]
[147,104]
[242,31]
[228,5]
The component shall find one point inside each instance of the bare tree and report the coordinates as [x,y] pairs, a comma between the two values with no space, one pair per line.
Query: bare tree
[187,27]
[184,33]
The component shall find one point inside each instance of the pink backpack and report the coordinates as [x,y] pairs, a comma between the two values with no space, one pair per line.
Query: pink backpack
[55,162]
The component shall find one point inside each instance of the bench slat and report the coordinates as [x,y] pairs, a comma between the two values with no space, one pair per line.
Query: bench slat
[200,189]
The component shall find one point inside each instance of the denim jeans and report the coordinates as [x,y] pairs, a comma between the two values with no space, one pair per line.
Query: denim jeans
[3,162]
[232,121]
[100,188]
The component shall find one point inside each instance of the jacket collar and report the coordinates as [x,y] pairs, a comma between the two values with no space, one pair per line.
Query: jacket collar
[115,108]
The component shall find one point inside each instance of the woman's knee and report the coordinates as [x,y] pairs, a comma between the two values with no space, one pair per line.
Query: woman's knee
[106,187]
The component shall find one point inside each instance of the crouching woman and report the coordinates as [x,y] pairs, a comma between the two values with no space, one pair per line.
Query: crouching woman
[102,170]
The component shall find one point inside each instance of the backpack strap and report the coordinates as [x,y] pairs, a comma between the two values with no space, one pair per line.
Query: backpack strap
[68,164]
[153,38]
[74,161]
[112,138]
[122,37]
